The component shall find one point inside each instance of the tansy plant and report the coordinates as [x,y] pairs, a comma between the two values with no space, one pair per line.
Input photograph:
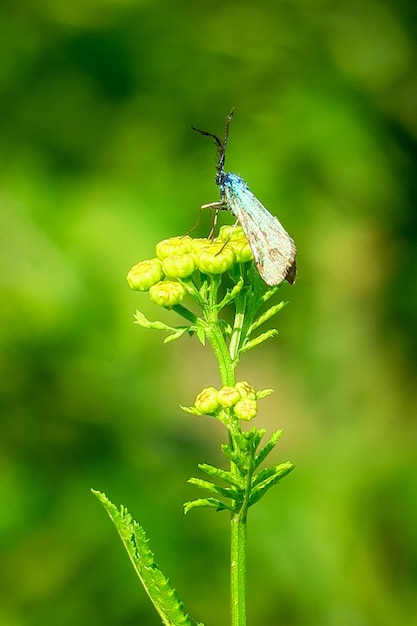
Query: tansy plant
[215,274]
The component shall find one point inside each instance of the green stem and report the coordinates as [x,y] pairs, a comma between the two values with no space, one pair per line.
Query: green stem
[238,570]
[188,315]
[227,358]
[216,338]
[238,521]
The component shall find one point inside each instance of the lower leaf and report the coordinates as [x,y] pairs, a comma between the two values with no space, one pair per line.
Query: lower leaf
[164,597]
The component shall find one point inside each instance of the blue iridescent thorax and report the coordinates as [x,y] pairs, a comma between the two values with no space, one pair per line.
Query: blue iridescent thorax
[233,185]
[238,197]
[233,181]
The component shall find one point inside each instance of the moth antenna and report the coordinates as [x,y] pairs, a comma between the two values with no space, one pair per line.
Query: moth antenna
[222,153]
[221,145]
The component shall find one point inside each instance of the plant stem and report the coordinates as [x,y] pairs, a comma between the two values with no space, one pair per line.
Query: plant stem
[227,364]
[238,570]
[215,336]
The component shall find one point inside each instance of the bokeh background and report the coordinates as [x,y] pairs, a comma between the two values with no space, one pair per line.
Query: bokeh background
[98,163]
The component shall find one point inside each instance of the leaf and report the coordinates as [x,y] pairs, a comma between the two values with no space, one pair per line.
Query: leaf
[248,345]
[221,474]
[164,597]
[263,453]
[212,503]
[263,393]
[269,293]
[175,331]
[247,441]
[178,333]
[234,457]
[264,317]
[263,475]
[254,435]
[143,321]
[190,409]
[231,295]
[217,489]
[279,472]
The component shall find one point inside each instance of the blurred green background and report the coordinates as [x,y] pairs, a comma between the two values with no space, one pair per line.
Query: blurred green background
[98,163]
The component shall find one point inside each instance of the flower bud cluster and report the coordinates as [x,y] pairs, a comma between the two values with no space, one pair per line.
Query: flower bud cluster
[179,257]
[241,399]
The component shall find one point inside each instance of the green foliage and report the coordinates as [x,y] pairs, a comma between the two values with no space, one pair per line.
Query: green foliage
[164,598]
[245,487]
[175,333]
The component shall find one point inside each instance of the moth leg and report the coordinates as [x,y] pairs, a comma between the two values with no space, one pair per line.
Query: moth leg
[233,229]
[217,206]
[214,219]
[195,225]
[230,236]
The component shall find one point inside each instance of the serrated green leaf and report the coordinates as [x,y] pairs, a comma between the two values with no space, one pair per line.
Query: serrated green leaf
[258,340]
[262,433]
[231,295]
[263,453]
[253,437]
[178,333]
[234,457]
[164,597]
[265,474]
[216,472]
[190,409]
[260,490]
[270,293]
[266,315]
[217,489]
[263,393]
[142,320]
[247,441]
[212,503]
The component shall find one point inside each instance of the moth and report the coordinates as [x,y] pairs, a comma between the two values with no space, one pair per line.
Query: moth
[273,250]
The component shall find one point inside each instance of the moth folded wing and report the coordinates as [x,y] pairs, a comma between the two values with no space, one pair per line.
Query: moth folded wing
[273,249]
[292,270]
[275,257]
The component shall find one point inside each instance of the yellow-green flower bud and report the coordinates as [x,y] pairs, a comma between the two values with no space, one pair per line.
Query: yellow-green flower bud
[179,266]
[246,409]
[167,293]
[228,396]
[145,274]
[230,233]
[206,402]
[198,244]
[215,259]
[174,246]
[242,250]
[246,390]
